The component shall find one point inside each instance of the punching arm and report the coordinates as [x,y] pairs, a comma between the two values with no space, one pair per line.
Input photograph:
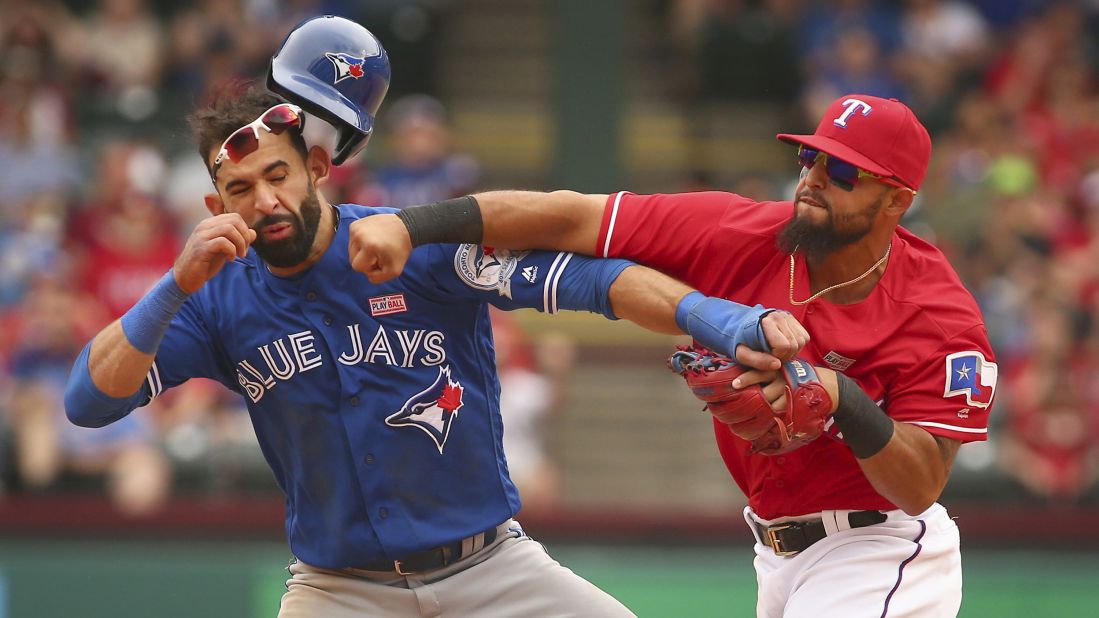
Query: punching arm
[561,220]
[105,383]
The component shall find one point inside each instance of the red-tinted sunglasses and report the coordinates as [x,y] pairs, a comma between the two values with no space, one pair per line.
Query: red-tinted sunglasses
[841,173]
[245,140]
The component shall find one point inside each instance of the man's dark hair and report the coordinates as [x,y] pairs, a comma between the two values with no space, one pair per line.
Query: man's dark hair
[231,108]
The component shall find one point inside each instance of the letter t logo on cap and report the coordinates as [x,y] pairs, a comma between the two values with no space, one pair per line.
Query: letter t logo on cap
[852,106]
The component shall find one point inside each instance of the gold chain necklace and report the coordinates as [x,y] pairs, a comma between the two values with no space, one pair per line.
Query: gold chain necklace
[838,285]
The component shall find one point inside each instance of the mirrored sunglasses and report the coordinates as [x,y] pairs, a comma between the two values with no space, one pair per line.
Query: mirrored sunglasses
[245,140]
[841,173]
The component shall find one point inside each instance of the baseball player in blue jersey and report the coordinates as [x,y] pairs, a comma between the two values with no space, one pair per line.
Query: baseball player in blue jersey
[376,406]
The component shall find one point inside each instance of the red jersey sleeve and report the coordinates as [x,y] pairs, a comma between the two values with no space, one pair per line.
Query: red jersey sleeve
[675,232]
[950,392]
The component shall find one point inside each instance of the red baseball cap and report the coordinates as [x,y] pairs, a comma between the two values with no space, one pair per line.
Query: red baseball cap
[881,136]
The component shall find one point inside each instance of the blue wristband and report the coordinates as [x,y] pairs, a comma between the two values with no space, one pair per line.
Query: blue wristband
[146,322]
[720,324]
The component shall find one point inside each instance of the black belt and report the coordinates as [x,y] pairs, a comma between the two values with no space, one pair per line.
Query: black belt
[437,557]
[792,537]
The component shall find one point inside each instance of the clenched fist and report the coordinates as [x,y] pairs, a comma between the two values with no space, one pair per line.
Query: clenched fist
[213,243]
[379,247]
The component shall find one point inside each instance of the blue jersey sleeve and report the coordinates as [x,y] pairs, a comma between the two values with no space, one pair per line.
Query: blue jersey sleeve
[189,350]
[543,280]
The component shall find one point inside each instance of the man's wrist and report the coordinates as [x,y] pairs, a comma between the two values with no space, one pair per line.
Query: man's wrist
[830,381]
[684,307]
[457,220]
[720,324]
[866,428]
[146,322]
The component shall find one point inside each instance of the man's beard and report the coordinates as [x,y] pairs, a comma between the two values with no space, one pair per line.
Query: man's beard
[294,249]
[817,241]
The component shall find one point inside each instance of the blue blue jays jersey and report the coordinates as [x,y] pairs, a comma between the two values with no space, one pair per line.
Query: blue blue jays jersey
[376,406]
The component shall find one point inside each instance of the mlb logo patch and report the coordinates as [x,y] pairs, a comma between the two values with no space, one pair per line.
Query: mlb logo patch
[969,374]
[385,305]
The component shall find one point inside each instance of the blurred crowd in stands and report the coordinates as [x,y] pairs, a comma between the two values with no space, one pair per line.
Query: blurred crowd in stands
[100,185]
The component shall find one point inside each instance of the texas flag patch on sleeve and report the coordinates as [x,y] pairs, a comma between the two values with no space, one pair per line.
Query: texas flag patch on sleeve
[969,374]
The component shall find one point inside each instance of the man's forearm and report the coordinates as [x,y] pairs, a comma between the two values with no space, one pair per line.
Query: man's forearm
[105,381]
[560,220]
[659,303]
[122,353]
[117,368]
[910,471]
[904,463]
[648,299]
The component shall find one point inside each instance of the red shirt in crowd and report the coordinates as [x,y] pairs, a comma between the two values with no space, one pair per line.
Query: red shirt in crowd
[124,250]
[917,344]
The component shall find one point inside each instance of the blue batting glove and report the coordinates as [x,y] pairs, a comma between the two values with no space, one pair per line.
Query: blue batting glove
[721,325]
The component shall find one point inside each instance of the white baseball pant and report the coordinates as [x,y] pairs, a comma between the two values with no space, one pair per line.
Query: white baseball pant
[907,566]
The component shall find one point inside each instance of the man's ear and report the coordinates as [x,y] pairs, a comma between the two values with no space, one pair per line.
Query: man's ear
[900,203]
[214,203]
[319,165]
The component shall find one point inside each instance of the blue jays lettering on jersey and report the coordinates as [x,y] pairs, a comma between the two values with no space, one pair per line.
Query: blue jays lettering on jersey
[376,406]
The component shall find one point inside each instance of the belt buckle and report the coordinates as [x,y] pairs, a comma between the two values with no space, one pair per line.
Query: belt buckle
[770,532]
[400,570]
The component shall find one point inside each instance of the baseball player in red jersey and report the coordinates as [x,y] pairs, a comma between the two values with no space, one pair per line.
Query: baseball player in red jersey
[848,524]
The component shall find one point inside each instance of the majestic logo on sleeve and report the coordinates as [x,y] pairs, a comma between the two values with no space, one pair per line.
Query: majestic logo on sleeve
[487,268]
[432,410]
[969,374]
[346,66]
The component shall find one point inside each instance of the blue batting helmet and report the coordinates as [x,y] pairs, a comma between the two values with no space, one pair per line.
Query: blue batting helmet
[336,70]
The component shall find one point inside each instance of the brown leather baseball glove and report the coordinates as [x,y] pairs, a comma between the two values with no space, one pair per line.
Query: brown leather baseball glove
[746,411]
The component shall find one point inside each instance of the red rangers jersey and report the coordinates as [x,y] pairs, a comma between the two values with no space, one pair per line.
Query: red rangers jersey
[917,344]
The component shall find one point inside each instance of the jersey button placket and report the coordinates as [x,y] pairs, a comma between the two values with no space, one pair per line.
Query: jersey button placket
[328,320]
[353,401]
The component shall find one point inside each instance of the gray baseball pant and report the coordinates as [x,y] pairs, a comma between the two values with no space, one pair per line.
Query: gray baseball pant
[511,578]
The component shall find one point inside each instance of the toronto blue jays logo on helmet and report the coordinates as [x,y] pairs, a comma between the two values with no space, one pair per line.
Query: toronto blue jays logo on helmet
[346,65]
[432,410]
[969,374]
